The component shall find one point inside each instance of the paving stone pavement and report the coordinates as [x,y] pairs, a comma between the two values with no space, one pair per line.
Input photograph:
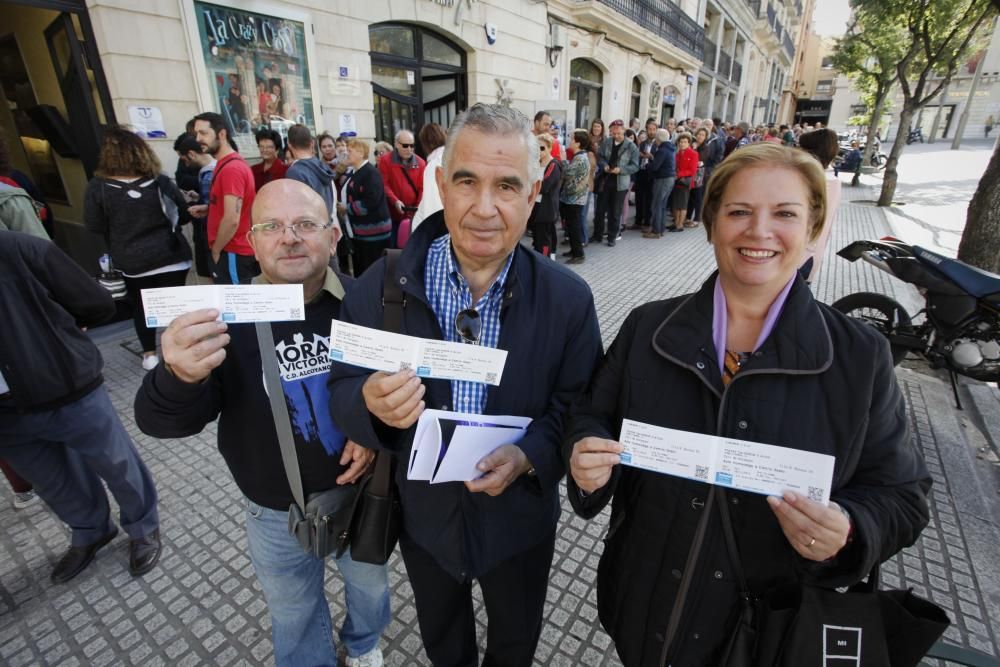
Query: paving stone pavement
[202,605]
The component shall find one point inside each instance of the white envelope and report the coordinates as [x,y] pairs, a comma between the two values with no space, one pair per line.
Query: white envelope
[438,457]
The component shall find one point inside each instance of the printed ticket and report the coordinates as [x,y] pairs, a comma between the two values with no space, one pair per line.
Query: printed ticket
[236,303]
[738,464]
[391,352]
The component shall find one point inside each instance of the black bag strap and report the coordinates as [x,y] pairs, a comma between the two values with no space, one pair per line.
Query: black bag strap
[730,535]
[393,303]
[410,180]
[279,410]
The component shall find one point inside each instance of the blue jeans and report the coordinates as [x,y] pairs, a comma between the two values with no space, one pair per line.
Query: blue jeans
[292,581]
[65,452]
[583,217]
[661,190]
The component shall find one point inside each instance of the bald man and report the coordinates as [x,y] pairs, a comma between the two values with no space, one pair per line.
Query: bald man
[213,370]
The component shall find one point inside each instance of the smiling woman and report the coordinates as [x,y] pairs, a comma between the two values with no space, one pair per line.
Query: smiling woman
[750,356]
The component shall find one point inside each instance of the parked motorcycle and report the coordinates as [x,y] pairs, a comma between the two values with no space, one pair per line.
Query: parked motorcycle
[876,161]
[960,327]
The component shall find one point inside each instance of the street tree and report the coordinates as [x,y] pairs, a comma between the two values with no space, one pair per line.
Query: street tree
[938,36]
[980,245]
[868,54]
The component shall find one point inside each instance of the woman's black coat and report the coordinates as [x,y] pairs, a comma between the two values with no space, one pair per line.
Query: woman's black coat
[820,382]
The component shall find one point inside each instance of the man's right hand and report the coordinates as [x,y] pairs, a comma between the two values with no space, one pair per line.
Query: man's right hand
[198,210]
[394,399]
[194,344]
[592,462]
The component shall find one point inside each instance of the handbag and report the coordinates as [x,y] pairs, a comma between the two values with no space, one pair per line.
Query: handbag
[320,523]
[378,516]
[741,648]
[863,626]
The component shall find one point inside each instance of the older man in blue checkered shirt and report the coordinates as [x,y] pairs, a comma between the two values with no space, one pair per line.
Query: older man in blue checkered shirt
[467,262]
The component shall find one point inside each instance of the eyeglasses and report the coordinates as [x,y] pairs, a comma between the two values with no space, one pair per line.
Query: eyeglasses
[302,229]
[402,145]
[469,325]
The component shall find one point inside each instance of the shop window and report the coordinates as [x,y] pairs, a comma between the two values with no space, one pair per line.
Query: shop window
[586,89]
[636,98]
[418,77]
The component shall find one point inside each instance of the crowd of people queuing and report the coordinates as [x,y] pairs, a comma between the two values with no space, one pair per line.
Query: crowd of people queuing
[751,339]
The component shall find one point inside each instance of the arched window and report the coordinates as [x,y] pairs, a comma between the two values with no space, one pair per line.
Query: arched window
[586,89]
[637,99]
[418,77]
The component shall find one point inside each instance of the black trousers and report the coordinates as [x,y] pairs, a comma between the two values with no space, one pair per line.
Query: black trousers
[147,336]
[643,200]
[367,253]
[233,269]
[609,206]
[514,594]
[543,237]
[574,227]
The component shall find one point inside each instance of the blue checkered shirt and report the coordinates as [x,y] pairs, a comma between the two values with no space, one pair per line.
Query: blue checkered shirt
[448,294]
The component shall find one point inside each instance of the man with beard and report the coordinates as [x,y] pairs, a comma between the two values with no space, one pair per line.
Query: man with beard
[229,201]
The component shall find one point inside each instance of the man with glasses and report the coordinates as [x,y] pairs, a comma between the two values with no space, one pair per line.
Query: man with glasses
[213,370]
[403,175]
[466,278]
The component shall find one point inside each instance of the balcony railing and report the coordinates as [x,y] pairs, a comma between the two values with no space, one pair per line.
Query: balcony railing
[710,49]
[666,20]
[788,45]
[737,72]
[725,64]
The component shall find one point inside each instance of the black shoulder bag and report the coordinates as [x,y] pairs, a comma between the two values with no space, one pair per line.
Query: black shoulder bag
[378,518]
[322,522]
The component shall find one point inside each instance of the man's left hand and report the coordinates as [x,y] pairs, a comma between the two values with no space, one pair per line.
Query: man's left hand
[359,459]
[815,531]
[500,467]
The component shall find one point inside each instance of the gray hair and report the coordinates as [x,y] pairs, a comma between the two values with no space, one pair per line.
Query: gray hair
[495,119]
[662,135]
[401,133]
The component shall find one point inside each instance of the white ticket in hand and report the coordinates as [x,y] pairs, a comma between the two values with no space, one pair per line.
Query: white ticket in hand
[738,464]
[392,352]
[236,303]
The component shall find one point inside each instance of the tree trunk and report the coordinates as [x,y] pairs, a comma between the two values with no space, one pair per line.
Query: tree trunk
[980,244]
[873,129]
[890,177]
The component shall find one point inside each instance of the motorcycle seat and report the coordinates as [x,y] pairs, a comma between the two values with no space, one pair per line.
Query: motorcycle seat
[976,282]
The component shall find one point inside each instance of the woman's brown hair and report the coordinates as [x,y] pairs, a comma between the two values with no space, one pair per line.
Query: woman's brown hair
[124,153]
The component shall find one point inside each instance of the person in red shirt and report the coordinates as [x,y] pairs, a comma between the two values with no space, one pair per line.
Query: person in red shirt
[403,176]
[543,125]
[229,201]
[687,168]
[270,168]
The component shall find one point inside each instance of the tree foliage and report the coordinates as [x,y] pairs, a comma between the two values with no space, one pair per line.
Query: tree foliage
[935,36]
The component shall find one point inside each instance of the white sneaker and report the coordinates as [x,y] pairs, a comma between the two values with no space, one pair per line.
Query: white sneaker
[371,659]
[26,499]
[149,362]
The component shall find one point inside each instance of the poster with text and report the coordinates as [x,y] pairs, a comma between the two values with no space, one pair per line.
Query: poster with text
[258,71]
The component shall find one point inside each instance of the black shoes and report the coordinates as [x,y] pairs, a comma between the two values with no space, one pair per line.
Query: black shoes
[143,553]
[568,253]
[575,260]
[76,559]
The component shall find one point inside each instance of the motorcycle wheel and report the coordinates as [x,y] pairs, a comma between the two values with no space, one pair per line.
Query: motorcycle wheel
[878,161]
[876,310]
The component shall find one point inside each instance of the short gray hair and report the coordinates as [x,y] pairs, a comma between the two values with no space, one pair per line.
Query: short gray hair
[495,119]
[662,135]
[401,132]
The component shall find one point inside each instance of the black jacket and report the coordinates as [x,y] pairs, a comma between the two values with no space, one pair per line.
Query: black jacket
[45,297]
[549,328]
[166,407]
[547,209]
[820,382]
[132,219]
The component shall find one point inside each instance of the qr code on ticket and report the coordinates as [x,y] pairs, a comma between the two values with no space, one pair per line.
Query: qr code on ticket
[294,314]
[815,493]
[701,472]
[491,378]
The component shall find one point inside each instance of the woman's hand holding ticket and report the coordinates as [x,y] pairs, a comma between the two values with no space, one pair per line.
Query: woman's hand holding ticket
[592,462]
